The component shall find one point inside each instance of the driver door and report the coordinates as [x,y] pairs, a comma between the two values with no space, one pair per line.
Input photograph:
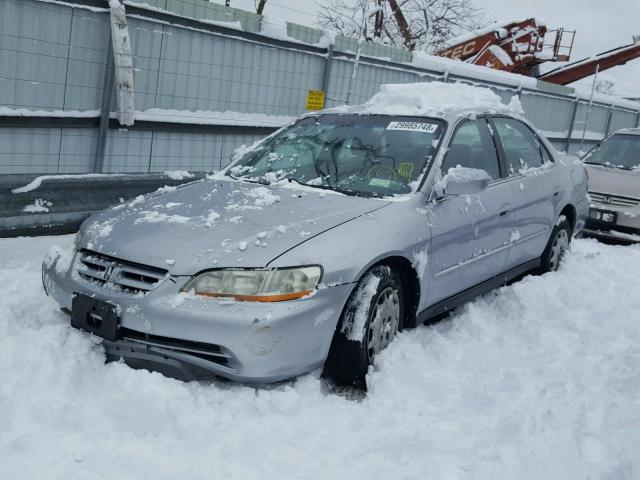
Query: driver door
[470,233]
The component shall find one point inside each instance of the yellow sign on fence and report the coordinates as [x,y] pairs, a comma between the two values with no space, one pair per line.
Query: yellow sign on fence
[315,99]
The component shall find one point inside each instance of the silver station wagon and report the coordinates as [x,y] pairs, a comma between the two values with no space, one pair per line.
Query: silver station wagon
[318,244]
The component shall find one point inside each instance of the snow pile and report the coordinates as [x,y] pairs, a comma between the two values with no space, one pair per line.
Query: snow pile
[100,229]
[153,216]
[207,117]
[459,174]
[36,182]
[263,196]
[38,206]
[178,174]
[274,27]
[363,297]
[537,380]
[27,112]
[327,39]
[433,98]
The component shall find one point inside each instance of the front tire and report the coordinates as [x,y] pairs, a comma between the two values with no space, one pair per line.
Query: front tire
[370,321]
[558,244]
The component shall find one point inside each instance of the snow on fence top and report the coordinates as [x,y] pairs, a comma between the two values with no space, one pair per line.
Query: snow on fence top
[272,28]
[433,98]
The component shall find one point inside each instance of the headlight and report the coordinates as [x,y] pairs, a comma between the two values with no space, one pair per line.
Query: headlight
[275,285]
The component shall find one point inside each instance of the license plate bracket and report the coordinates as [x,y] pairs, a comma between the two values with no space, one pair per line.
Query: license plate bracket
[95,316]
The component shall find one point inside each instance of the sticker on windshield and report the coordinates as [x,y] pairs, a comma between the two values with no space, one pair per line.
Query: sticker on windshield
[413,126]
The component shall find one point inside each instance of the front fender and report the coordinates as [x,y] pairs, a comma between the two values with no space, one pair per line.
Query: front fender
[349,250]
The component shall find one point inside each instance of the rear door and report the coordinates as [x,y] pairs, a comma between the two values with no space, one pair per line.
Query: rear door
[470,233]
[535,188]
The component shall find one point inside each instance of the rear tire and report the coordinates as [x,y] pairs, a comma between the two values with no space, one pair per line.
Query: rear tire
[370,320]
[559,243]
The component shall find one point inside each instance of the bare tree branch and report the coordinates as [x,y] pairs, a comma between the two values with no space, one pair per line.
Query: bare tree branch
[412,24]
[260,6]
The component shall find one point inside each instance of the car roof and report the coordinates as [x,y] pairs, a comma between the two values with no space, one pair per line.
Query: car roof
[449,115]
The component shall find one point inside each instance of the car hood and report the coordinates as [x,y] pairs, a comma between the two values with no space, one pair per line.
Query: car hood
[218,223]
[614,181]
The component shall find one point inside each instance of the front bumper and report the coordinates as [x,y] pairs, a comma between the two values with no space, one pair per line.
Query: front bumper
[190,337]
[611,233]
[625,229]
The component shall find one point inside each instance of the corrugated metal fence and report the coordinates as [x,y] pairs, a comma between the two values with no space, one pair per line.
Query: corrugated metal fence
[191,70]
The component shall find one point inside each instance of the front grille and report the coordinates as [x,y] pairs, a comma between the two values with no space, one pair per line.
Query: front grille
[206,351]
[121,275]
[616,200]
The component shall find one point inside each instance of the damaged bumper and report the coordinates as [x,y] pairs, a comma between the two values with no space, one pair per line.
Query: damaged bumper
[190,337]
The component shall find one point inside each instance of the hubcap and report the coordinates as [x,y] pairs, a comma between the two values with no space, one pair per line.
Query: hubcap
[559,246]
[384,321]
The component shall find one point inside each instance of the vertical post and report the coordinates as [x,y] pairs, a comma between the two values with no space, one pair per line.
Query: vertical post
[105,109]
[608,126]
[571,122]
[365,16]
[588,116]
[356,61]
[638,119]
[123,62]
[326,75]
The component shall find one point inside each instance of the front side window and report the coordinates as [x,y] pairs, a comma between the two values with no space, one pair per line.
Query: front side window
[472,146]
[370,155]
[619,151]
[521,147]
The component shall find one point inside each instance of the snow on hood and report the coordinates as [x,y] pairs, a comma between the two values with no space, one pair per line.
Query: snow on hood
[218,223]
[432,99]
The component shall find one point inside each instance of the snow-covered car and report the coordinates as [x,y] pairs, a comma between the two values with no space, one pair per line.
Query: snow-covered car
[318,244]
[613,168]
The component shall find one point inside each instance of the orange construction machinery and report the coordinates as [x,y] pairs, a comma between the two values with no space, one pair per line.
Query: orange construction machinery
[520,47]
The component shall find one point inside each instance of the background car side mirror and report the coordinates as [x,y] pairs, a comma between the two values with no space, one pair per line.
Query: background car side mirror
[465,181]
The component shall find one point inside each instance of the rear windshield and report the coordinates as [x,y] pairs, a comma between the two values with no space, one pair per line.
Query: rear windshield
[372,155]
[619,151]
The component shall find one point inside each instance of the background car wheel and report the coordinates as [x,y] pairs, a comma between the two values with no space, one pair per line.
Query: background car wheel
[370,320]
[559,242]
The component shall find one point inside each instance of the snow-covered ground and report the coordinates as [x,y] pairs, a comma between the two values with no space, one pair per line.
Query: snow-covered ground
[538,380]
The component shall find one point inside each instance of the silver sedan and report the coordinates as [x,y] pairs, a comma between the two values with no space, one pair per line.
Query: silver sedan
[317,245]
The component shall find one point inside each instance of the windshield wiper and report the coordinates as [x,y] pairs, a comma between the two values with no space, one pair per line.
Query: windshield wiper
[245,179]
[607,165]
[619,167]
[352,193]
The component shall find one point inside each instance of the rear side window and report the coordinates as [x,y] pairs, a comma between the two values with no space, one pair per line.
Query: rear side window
[472,147]
[521,147]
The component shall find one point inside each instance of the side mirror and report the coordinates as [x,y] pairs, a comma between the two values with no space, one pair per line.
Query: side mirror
[465,181]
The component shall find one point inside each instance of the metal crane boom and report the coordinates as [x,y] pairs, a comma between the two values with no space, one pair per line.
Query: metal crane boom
[587,66]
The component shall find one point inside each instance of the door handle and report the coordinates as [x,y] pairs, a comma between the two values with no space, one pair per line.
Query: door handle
[555,194]
[503,213]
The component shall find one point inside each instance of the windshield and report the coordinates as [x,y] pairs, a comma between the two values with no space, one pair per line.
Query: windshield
[619,151]
[372,155]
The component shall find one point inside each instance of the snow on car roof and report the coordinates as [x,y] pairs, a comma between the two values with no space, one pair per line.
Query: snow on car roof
[431,99]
